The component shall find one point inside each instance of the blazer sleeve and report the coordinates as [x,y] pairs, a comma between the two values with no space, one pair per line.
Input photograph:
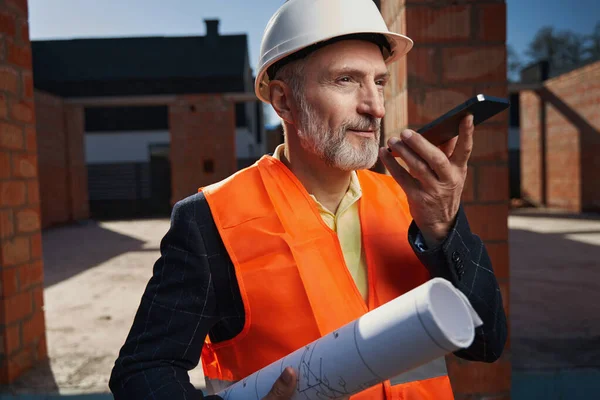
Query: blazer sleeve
[463,260]
[176,312]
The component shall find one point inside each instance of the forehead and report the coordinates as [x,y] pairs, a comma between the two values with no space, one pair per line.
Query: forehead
[358,54]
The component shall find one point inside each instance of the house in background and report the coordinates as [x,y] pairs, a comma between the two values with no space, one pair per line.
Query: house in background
[127,147]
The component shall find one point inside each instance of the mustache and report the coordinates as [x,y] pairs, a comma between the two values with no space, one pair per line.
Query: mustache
[364,124]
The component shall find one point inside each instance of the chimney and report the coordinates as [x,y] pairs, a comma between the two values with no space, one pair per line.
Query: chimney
[212,28]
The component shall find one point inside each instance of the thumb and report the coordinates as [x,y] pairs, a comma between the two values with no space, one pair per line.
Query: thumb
[284,386]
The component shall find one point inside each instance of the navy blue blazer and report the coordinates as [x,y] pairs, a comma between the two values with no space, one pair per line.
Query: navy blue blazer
[193,293]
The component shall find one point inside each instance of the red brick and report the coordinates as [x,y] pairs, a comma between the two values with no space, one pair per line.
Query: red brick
[18,5]
[8,282]
[36,246]
[27,81]
[426,24]
[38,298]
[24,165]
[28,220]
[474,64]
[492,183]
[4,164]
[23,111]
[490,143]
[24,32]
[15,251]
[19,54]
[9,79]
[11,136]
[476,378]
[34,328]
[31,139]
[12,337]
[3,104]
[492,22]
[499,255]
[469,189]
[425,105]
[12,193]
[490,222]
[422,66]
[19,363]
[42,349]
[17,307]
[7,224]
[7,24]
[33,192]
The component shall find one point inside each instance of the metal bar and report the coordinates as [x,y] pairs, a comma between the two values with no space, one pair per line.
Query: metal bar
[518,87]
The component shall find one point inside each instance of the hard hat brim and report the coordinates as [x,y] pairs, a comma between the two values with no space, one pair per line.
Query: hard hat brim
[400,45]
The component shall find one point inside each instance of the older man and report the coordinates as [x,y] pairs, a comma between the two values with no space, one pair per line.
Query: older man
[308,239]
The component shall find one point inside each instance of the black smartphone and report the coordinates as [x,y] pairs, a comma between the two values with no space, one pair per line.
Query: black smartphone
[446,127]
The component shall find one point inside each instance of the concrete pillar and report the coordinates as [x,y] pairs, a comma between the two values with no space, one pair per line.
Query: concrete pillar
[22,327]
[459,52]
[202,152]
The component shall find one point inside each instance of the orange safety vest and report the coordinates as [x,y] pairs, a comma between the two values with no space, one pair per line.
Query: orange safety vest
[293,278]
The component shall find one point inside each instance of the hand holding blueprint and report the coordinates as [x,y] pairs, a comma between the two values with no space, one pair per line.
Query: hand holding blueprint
[410,331]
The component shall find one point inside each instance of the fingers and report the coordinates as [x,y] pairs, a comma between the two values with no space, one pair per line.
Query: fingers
[434,158]
[448,147]
[404,179]
[464,144]
[284,386]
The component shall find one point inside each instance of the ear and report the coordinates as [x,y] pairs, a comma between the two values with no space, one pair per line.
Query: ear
[282,100]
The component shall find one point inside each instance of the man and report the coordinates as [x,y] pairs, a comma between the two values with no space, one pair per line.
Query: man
[308,239]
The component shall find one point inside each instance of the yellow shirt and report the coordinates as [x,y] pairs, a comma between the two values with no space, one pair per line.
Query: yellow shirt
[346,224]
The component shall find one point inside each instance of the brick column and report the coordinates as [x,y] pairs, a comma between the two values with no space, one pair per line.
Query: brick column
[76,169]
[459,52]
[531,152]
[202,150]
[22,330]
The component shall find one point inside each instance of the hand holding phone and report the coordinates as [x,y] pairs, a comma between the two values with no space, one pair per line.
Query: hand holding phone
[444,128]
[433,176]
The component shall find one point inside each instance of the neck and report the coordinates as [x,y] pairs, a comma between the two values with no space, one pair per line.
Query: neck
[326,183]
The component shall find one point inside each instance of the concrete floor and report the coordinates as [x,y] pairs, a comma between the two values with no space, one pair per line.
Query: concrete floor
[96,273]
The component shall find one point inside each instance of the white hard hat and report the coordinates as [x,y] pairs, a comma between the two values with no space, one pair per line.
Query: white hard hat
[299,24]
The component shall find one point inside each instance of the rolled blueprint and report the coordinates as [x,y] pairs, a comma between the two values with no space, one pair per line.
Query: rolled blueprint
[410,331]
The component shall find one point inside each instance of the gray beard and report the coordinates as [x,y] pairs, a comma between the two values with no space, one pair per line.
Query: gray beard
[334,147]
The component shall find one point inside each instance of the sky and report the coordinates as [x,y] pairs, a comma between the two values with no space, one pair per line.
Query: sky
[62,19]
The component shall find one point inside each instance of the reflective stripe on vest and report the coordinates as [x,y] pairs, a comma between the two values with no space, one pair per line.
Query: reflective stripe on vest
[434,369]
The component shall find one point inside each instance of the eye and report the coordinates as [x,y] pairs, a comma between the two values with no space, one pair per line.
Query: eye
[344,79]
[381,82]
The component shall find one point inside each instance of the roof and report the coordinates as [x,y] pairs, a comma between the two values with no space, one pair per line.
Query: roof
[139,58]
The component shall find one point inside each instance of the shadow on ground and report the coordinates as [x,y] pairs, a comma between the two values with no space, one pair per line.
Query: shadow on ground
[89,245]
[554,305]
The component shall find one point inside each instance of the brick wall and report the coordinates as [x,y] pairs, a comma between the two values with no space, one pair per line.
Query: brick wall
[572,140]
[22,331]
[459,52]
[531,161]
[570,119]
[202,132]
[63,173]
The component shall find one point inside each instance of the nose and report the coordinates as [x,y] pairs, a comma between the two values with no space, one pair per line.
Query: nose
[372,101]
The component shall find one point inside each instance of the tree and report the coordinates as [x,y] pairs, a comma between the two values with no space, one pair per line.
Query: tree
[514,63]
[562,50]
[593,44]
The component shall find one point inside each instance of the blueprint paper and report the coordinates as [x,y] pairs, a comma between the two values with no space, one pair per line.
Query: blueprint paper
[414,329]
